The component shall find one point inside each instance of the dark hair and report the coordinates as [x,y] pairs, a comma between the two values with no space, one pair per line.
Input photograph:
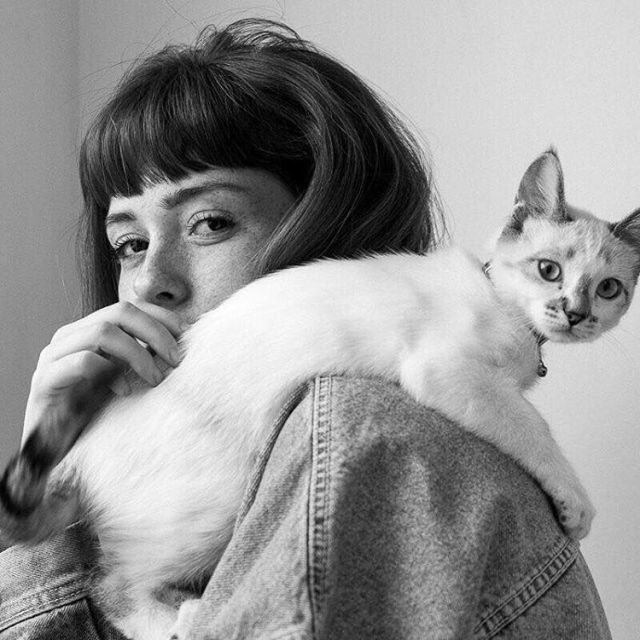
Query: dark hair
[256,95]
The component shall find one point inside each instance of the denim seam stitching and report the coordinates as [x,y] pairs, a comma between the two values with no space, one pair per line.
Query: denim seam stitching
[319,497]
[257,472]
[532,589]
[24,605]
[293,631]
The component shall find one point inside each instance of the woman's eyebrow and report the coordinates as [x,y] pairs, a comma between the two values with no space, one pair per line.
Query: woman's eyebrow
[118,216]
[184,194]
[179,197]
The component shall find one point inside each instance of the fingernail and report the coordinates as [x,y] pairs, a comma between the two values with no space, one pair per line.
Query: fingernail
[176,355]
[121,387]
[157,377]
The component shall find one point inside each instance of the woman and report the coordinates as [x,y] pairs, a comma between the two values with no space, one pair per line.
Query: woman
[367,515]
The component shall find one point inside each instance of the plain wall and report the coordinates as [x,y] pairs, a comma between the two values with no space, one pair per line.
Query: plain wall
[39,198]
[488,86]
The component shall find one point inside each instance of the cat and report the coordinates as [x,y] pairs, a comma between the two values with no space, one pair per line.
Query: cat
[159,475]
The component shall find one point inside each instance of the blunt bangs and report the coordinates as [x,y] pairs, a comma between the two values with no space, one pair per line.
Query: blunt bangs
[180,113]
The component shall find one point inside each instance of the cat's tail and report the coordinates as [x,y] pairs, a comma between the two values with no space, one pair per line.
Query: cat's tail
[32,507]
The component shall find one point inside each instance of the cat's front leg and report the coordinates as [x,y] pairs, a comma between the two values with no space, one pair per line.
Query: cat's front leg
[513,424]
[150,620]
[494,410]
[183,624]
[575,510]
[136,612]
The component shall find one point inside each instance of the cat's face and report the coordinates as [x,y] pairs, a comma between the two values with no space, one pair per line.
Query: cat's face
[570,273]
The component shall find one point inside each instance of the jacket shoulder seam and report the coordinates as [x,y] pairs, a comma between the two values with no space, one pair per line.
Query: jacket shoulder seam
[287,408]
[319,500]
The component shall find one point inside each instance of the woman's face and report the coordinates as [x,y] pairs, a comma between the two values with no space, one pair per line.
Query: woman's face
[187,245]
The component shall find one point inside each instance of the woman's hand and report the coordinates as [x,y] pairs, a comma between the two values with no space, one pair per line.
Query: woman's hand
[88,357]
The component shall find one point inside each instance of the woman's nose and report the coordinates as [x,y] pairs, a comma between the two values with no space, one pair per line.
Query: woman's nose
[162,278]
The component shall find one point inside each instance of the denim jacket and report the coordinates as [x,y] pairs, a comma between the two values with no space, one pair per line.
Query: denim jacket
[366,516]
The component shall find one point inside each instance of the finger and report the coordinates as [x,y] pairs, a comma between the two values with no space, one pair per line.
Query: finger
[169,319]
[111,342]
[157,328]
[120,386]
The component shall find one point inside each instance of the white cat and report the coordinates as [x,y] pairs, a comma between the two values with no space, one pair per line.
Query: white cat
[160,474]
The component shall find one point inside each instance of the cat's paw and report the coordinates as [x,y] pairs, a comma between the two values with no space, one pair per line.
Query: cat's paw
[575,511]
[182,625]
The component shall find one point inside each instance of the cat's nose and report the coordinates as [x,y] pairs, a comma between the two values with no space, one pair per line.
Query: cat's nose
[576,310]
[574,317]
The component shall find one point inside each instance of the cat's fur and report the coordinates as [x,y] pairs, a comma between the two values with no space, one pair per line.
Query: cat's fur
[159,475]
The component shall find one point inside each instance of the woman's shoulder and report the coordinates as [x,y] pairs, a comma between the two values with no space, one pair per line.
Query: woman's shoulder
[372,412]
[373,424]
[431,504]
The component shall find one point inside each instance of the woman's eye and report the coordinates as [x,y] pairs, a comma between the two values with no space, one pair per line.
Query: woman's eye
[207,224]
[549,270]
[609,288]
[127,247]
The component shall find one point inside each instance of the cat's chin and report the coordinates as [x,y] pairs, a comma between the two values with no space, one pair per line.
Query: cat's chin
[562,336]
[566,335]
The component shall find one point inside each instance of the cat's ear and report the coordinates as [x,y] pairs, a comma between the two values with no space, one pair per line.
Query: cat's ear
[541,192]
[629,230]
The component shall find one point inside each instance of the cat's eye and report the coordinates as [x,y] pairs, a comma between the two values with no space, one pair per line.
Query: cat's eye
[549,270]
[609,288]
